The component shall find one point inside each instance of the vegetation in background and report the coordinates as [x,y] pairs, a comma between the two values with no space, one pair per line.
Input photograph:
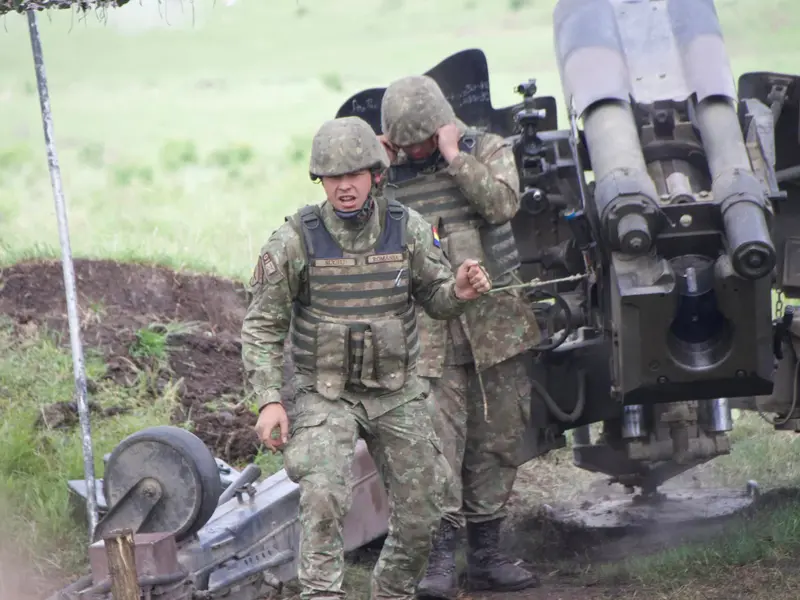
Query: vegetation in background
[183,131]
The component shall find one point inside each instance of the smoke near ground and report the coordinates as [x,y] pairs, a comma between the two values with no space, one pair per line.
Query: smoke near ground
[22,576]
[17,580]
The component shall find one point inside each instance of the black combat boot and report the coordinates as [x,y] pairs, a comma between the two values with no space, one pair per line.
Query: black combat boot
[440,580]
[487,568]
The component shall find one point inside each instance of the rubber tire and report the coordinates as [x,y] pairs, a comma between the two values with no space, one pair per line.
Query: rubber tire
[197,455]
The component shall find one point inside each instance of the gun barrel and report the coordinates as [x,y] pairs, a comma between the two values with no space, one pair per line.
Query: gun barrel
[612,138]
[740,194]
[625,194]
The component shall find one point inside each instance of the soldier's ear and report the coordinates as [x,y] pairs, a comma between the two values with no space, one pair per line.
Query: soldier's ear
[378,177]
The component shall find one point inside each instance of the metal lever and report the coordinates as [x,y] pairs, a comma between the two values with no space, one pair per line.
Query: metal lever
[241,484]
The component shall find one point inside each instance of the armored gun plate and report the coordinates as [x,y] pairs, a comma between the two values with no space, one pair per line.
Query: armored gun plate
[769,111]
[779,92]
[464,79]
[182,477]
[670,508]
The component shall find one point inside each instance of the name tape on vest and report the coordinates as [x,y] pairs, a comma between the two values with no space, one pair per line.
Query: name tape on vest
[385,258]
[334,262]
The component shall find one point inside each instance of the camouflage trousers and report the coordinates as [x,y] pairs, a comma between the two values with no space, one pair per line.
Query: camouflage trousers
[319,456]
[482,453]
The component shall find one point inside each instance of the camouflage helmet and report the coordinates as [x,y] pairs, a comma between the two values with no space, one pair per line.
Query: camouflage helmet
[413,109]
[345,145]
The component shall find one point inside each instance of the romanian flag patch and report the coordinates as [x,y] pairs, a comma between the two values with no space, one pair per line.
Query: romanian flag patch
[436,241]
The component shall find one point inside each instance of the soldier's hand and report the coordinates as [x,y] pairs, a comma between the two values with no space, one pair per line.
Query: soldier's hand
[471,280]
[447,138]
[272,417]
[390,148]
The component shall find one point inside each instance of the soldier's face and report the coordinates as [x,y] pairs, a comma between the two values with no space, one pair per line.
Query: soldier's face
[420,151]
[348,192]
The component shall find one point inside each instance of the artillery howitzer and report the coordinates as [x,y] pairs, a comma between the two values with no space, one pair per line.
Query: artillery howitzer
[655,280]
[656,285]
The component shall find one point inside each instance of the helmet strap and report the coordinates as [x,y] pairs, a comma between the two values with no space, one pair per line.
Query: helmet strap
[360,216]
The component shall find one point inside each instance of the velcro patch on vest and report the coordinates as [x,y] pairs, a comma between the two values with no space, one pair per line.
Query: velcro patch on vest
[271,271]
[334,262]
[385,258]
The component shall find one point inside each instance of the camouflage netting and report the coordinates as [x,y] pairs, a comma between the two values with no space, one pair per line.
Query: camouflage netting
[20,6]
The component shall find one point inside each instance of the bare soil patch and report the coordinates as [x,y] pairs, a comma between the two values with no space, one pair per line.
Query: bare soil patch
[116,301]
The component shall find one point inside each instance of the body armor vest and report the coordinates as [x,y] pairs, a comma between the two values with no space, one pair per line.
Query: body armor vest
[355,321]
[463,231]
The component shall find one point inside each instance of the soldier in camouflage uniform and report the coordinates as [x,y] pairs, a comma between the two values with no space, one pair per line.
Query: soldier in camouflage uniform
[465,183]
[343,278]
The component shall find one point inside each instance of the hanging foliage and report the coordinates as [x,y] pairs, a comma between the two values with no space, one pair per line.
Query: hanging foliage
[20,6]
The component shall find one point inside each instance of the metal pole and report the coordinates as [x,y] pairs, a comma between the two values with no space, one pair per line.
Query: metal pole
[69,273]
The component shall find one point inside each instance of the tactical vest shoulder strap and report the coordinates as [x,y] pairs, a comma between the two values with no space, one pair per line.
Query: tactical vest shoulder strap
[398,212]
[309,220]
[305,221]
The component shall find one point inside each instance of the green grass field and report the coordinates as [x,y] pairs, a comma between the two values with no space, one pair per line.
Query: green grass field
[183,130]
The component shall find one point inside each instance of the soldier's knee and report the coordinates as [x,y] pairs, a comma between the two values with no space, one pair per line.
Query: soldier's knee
[325,497]
[511,379]
[297,463]
[312,447]
[489,451]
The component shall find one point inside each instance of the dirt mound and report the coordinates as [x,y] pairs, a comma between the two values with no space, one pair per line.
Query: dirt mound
[119,300]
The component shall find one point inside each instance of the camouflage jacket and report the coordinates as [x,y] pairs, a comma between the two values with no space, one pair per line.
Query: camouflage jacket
[277,282]
[498,326]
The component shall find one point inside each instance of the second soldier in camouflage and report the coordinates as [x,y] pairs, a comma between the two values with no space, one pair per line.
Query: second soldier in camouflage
[465,183]
[345,278]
